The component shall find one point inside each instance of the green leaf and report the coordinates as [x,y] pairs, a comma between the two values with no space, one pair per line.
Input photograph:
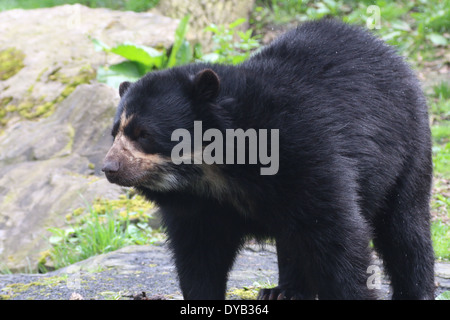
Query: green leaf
[391,35]
[198,52]
[127,68]
[401,25]
[437,39]
[184,54]
[213,28]
[55,239]
[180,34]
[444,296]
[237,22]
[147,56]
[99,45]
[211,57]
[116,74]
[238,59]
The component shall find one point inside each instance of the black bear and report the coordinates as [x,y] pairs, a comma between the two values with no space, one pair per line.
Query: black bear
[331,151]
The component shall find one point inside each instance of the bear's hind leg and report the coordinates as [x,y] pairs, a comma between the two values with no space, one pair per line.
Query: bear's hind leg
[402,237]
[327,263]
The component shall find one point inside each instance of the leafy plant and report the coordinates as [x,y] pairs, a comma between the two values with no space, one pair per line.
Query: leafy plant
[134,5]
[440,233]
[107,226]
[444,296]
[440,102]
[142,59]
[410,25]
[231,46]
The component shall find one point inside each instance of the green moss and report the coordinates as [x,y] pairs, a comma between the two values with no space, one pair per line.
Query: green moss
[43,257]
[20,287]
[85,75]
[245,293]
[53,76]
[11,108]
[17,288]
[125,205]
[68,148]
[38,79]
[103,226]
[137,204]
[11,62]
[9,198]
[25,109]
[4,110]
[111,295]
[5,101]
[31,108]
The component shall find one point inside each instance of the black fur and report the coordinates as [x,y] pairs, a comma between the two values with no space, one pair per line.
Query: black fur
[355,165]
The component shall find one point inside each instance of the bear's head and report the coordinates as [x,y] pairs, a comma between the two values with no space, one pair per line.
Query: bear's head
[150,110]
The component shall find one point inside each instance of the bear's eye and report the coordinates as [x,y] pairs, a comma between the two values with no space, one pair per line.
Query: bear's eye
[141,134]
[146,142]
[144,135]
[138,133]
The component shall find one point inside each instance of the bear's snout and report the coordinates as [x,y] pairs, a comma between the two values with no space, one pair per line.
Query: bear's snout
[110,166]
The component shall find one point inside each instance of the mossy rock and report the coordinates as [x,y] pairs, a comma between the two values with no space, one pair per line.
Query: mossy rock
[58,159]
[11,62]
[31,108]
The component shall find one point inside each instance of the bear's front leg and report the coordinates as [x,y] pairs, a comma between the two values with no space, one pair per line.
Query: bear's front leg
[204,243]
[294,268]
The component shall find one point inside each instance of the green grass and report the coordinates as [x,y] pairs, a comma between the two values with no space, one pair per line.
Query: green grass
[444,296]
[134,5]
[420,30]
[441,238]
[231,46]
[102,227]
[439,102]
[440,114]
[415,27]
[441,159]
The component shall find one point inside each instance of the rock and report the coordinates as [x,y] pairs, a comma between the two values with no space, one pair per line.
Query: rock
[52,165]
[54,52]
[49,168]
[147,272]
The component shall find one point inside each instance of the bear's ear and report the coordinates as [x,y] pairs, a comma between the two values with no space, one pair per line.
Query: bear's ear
[206,85]
[123,88]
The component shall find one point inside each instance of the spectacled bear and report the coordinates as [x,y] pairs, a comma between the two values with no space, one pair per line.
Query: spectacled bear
[354,156]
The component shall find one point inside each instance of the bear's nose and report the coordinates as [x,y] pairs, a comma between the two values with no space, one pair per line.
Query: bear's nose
[111,166]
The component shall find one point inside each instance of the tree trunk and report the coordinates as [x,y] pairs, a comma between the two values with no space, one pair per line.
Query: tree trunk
[205,12]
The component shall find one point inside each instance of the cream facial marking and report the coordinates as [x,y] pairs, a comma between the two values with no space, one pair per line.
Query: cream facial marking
[124,121]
